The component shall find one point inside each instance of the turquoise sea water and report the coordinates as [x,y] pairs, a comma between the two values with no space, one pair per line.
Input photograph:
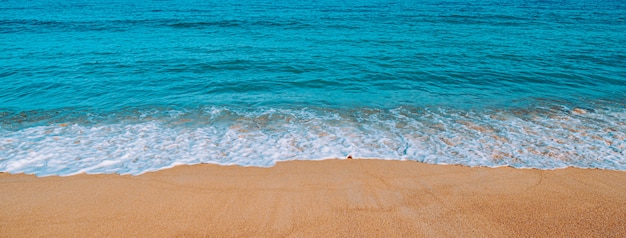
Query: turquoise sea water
[135,86]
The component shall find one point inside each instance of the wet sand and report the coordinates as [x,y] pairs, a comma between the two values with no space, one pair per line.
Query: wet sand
[330,198]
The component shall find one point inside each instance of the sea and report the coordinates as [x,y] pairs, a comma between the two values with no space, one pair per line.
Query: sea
[133,86]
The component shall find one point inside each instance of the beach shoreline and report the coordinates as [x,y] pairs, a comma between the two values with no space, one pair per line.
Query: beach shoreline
[359,197]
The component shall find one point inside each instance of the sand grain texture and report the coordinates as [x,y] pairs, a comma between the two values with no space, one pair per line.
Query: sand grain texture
[330,198]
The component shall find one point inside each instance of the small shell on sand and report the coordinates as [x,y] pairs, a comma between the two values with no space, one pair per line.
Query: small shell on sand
[349,157]
[579,111]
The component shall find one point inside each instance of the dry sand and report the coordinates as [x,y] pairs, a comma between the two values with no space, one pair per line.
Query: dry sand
[331,198]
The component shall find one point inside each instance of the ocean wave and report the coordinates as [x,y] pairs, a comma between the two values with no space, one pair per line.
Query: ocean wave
[541,138]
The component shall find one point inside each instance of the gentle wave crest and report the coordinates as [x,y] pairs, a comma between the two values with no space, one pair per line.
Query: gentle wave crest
[544,138]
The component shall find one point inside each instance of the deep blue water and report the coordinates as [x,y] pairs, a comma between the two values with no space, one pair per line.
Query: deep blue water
[135,86]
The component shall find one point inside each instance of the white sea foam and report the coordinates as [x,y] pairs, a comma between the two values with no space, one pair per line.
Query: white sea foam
[543,139]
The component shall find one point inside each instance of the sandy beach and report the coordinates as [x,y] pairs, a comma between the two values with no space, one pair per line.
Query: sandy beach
[330,198]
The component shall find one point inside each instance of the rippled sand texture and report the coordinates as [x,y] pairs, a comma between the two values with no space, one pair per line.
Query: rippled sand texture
[319,199]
